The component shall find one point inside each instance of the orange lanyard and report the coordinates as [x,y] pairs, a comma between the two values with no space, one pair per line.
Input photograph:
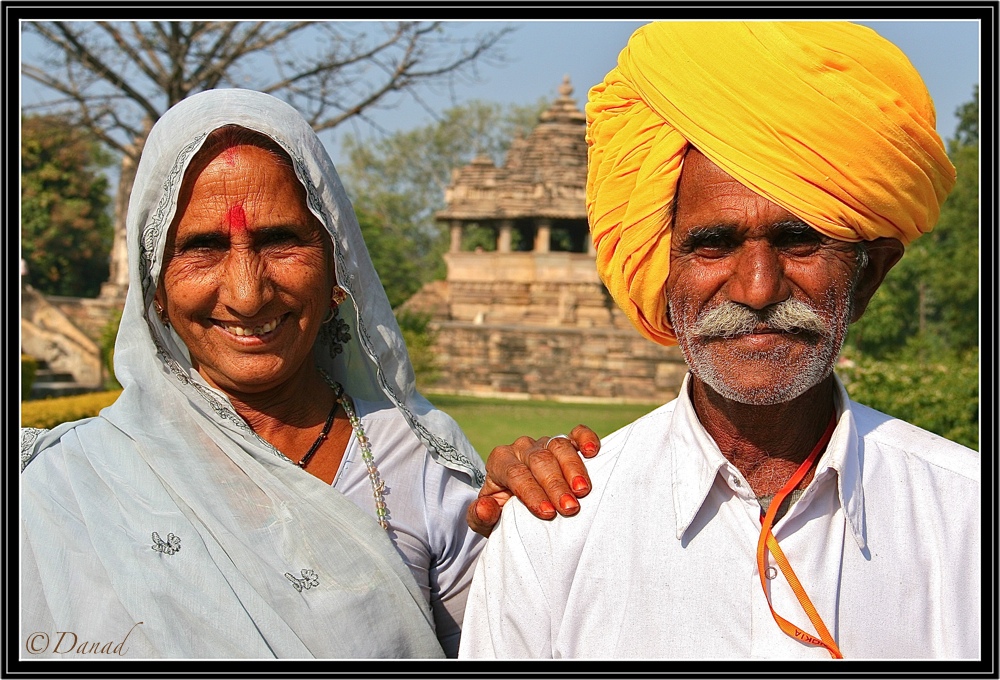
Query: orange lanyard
[768,542]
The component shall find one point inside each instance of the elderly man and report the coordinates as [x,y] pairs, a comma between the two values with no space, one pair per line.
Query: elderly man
[749,187]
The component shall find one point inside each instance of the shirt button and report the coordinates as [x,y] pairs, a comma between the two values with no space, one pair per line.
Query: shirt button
[770,573]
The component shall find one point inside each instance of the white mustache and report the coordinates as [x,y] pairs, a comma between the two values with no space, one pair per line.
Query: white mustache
[731,319]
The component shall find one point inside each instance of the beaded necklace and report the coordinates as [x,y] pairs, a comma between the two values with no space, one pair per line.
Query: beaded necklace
[378,486]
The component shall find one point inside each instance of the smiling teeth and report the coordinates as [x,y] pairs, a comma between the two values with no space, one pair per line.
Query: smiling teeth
[259,330]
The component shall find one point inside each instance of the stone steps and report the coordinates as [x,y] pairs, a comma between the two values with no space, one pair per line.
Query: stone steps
[49,383]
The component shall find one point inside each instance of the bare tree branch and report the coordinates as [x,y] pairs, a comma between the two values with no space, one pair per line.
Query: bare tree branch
[115,76]
[90,61]
[134,55]
[252,43]
[172,60]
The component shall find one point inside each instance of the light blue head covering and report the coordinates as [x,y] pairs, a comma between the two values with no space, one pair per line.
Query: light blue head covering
[374,364]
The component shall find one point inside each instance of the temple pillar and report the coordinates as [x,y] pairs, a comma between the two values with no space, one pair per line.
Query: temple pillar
[504,240]
[543,236]
[456,237]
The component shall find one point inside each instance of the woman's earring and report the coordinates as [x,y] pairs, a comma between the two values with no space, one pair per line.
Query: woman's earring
[162,313]
[335,329]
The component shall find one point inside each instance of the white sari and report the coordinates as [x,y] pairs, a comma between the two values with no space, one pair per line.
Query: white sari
[165,527]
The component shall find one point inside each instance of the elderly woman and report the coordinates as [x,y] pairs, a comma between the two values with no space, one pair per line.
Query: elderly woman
[261,364]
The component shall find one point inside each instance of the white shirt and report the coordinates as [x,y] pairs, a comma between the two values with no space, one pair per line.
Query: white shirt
[427,503]
[661,561]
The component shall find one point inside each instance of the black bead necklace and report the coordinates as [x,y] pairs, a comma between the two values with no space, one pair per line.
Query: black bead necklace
[322,436]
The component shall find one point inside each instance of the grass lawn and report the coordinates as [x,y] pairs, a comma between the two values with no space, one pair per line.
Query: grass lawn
[494,422]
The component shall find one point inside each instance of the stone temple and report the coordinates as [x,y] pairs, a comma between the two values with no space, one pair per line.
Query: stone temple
[529,317]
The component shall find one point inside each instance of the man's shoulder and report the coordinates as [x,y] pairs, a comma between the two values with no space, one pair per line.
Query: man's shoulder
[630,449]
[653,423]
[889,433]
[635,442]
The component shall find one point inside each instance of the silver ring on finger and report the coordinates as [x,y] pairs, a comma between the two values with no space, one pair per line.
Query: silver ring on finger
[558,436]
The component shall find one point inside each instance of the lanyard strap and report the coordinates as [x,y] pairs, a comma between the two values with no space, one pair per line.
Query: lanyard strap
[768,542]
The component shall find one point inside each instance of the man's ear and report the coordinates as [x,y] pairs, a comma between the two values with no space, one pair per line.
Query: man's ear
[883,254]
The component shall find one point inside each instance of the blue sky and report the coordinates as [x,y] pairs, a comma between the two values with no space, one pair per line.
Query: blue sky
[541,53]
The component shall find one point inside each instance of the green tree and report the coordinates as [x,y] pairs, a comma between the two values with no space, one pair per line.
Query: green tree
[66,229]
[953,247]
[399,272]
[398,182]
[419,338]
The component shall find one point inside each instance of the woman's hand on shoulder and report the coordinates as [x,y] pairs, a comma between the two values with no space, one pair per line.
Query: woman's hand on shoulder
[546,474]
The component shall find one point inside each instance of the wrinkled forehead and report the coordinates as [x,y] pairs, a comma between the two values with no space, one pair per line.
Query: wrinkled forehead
[708,196]
[239,180]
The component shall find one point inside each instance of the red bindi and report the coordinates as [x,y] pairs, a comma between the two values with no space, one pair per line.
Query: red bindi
[236,218]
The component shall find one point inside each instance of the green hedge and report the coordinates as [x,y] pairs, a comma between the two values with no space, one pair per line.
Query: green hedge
[938,392]
[47,413]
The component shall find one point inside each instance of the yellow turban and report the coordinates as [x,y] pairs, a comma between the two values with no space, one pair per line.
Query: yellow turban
[826,119]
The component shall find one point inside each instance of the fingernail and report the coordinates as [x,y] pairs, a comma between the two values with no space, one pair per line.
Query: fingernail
[589,448]
[547,508]
[579,484]
[568,503]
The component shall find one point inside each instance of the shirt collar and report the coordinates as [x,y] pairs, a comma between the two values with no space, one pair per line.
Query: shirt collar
[696,460]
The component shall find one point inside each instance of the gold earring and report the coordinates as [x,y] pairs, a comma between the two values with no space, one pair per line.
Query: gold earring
[160,312]
[339,295]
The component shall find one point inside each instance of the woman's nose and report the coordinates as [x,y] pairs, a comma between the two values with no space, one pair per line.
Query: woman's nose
[246,286]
